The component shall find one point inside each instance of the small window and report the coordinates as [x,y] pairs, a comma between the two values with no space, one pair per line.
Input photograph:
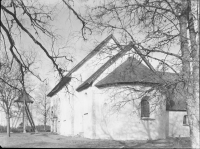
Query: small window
[185,120]
[145,110]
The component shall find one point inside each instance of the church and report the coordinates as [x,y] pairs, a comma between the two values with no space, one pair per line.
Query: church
[113,94]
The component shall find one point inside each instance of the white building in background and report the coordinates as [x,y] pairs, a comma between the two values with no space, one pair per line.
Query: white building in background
[111,94]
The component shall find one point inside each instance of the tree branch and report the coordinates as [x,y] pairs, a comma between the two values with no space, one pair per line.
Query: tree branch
[33,38]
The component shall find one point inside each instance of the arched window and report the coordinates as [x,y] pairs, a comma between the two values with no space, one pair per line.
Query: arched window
[185,120]
[145,110]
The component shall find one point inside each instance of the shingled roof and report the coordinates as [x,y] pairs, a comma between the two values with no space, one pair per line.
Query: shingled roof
[133,71]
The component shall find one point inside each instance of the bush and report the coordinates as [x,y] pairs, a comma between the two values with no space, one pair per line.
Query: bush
[40,128]
[3,129]
[16,130]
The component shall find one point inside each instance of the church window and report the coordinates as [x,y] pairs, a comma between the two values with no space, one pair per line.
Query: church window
[185,120]
[145,109]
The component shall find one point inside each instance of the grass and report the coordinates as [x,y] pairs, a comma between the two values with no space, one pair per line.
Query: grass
[49,140]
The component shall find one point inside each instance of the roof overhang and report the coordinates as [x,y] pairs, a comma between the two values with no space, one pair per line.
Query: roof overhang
[83,86]
[65,80]
[148,84]
[176,110]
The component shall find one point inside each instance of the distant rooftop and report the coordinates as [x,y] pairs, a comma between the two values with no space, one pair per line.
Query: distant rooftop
[24,96]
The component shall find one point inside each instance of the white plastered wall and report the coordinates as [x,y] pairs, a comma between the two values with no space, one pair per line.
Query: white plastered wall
[125,123]
[90,113]
[176,127]
[94,116]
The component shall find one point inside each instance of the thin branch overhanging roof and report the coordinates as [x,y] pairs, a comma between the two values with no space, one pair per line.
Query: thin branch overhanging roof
[66,79]
[142,74]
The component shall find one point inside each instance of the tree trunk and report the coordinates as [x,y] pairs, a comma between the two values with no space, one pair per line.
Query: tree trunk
[45,126]
[193,115]
[190,79]
[194,118]
[45,119]
[8,124]
[24,118]
[45,112]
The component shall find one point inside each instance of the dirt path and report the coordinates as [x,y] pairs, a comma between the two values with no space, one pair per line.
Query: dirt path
[49,140]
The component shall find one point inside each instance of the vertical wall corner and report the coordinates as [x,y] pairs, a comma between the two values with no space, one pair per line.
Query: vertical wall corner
[166,124]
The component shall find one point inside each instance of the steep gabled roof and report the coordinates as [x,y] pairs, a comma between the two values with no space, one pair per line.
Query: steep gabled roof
[93,77]
[133,71]
[66,79]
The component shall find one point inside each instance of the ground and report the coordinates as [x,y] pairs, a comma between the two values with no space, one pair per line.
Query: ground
[50,140]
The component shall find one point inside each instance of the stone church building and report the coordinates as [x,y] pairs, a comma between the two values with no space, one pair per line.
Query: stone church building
[113,94]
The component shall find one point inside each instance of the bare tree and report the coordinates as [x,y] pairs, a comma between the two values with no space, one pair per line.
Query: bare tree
[42,104]
[25,20]
[165,27]
[9,89]
[11,83]
[31,20]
